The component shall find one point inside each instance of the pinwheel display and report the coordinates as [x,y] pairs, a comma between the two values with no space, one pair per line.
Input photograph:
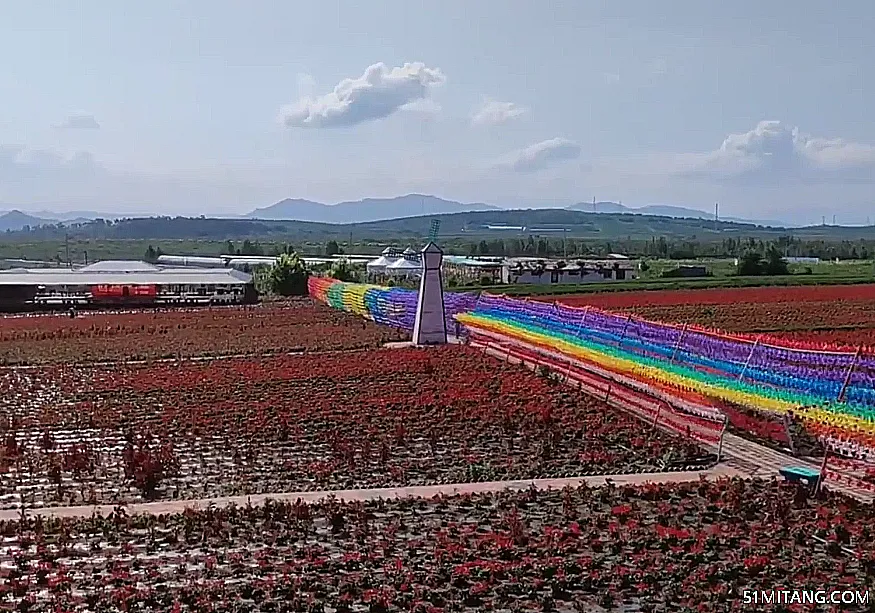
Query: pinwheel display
[830,389]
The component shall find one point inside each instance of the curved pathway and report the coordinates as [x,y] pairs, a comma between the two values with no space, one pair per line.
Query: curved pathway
[424,491]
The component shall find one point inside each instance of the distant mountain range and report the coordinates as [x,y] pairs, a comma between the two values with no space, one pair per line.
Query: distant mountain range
[16,219]
[373,209]
[666,210]
[369,209]
[379,209]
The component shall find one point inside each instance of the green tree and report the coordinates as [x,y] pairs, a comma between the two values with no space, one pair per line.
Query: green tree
[332,248]
[251,248]
[288,276]
[342,271]
[152,254]
[230,249]
[775,264]
[750,264]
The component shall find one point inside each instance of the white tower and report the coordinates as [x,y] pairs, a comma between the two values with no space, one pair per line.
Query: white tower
[430,327]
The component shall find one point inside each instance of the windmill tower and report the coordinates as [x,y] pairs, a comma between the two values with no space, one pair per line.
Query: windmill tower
[429,326]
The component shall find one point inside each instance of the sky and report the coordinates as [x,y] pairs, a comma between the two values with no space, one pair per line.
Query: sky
[221,106]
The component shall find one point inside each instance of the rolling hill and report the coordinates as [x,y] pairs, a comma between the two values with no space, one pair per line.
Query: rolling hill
[665,210]
[465,226]
[366,210]
[16,220]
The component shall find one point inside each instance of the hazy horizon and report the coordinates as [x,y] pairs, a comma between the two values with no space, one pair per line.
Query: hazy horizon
[220,108]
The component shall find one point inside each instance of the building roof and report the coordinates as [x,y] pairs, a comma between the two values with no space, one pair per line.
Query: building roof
[405,264]
[459,260]
[119,266]
[195,261]
[161,276]
[380,263]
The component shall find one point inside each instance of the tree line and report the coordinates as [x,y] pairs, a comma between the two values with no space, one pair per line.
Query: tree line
[665,248]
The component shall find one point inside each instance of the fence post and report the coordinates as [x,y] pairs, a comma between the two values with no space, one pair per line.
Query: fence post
[568,371]
[677,344]
[749,356]
[822,469]
[582,319]
[848,376]
[722,434]
[625,327]
[477,303]
[789,434]
[656,417]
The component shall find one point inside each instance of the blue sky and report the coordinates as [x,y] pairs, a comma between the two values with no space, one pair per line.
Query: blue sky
[223,106]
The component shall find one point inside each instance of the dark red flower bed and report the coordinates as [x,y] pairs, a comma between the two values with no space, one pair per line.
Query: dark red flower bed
[295,325]
[289,423]
[679,548]
[719,296]
[840,315]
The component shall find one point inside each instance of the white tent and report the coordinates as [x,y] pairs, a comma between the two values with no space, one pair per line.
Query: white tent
[404,267]
[379,265]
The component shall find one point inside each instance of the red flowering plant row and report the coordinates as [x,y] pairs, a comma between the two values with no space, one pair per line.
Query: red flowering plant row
[768,317]
[108,336]
[615,301]
[345,420]
[832,317]
[680,548]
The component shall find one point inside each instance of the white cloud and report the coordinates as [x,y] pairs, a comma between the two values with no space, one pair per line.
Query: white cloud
[306,85]
[79,122]
[541,155]
[377,94]
[773,151]
[493,112]
[426,106]
[18,163]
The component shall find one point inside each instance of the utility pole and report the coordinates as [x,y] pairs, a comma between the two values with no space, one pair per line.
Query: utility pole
[833,220]
[716,214]
[823,219]
[67,248]
[593,204]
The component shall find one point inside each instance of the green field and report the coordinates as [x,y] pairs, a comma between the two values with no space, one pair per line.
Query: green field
[669,284]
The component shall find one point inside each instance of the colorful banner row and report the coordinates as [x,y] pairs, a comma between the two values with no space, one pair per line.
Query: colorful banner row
[391,306]
[833,391]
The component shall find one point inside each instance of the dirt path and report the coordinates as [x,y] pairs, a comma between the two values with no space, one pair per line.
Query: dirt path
[425,491]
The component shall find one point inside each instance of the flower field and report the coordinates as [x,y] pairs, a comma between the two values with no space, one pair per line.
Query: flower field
[841,315]
[342,420]
[680,548]
[296,325]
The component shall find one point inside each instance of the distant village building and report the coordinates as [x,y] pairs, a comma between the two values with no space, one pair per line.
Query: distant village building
[465,269]
[541,272]
[686,272]
[122,282]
